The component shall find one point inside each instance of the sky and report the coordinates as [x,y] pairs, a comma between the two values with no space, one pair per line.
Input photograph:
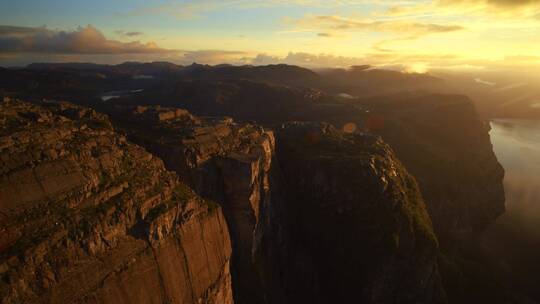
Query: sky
[410,35]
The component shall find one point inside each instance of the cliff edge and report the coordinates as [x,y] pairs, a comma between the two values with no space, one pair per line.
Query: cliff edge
[360,225]
[87,217]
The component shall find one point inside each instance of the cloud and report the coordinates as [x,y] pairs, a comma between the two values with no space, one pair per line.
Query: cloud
[213,57]
[497,3]
[461,8]
[392,61]
[400,27]
[83,40]
[129,34]
[325,35]
[308,60]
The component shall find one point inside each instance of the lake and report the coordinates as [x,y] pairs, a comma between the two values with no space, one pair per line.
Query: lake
[513,241]
[117,94]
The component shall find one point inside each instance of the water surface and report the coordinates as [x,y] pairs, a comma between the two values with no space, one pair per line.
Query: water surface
[513,241]
[117,94]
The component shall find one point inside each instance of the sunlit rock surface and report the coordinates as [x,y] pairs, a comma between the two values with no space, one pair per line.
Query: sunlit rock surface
[87,217]
[232,164]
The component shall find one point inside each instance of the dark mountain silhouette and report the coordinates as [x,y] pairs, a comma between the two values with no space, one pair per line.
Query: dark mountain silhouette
[304,152]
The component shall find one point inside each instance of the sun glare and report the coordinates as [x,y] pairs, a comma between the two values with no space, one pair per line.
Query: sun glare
[419,67]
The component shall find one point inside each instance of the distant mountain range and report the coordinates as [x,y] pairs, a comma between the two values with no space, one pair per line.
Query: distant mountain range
[73,80]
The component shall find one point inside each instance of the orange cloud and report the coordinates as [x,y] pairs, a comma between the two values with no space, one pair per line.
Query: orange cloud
[500,3]
[339,23]
[129,34]
[84,40]
[499,8]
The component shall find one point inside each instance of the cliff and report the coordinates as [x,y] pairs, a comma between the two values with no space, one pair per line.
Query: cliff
[307,213]
[359,224]
[287,207]
[332,211]
[440,138]
[443,142]
[233,165]
[87,217]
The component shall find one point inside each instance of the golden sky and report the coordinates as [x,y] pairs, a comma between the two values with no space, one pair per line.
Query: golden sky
[406,34]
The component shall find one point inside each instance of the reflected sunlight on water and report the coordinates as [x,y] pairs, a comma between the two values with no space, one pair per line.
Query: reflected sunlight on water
[513,241]
[517,146]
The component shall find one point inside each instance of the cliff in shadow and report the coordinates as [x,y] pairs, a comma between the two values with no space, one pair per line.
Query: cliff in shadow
[87,217]
[359,224]
[446,146]
[442,141]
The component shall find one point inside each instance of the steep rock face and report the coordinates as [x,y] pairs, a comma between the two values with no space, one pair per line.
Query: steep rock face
[360,227]
[444,144]
[231,164]
[440,140]
[87,217]
[438,137]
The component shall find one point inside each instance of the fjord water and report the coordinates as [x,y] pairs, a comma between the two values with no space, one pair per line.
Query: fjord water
[513,241]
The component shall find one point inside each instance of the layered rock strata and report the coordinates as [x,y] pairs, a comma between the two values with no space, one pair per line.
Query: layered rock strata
[231,164]
[87,217]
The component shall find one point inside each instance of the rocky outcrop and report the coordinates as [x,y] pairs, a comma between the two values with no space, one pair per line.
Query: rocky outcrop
[438,137]
[360,229]
[338,211]
[313,214]
[445,145]
[232,164]
[87,217]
